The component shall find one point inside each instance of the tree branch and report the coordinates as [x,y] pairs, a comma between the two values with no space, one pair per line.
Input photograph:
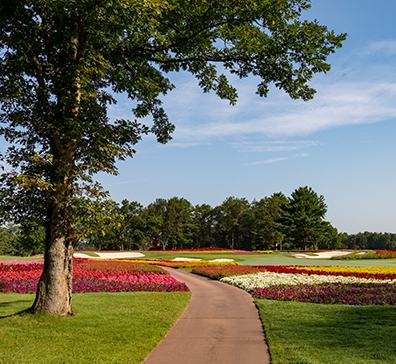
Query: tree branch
[41,93]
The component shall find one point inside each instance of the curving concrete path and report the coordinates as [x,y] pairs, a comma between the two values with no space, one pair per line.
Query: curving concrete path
[220,326]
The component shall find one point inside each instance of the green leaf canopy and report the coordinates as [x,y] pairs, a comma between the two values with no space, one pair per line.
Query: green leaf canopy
[62,62]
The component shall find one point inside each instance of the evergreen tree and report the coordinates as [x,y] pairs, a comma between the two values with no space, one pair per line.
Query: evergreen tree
[302,218]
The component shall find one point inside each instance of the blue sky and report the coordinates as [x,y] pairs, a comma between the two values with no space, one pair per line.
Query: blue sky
[342,143]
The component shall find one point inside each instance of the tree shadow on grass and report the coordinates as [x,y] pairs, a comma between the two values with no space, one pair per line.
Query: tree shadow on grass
[9,304]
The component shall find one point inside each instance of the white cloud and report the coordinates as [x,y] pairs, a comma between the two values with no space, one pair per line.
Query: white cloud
[267,161]
[387,48]
[257,146]
[353,92]
[181,145]
[301,155]
[334,105]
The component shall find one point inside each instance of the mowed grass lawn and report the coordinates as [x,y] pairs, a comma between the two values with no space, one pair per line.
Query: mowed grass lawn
[125,327]
[309,333]
[268,259]
[121,327]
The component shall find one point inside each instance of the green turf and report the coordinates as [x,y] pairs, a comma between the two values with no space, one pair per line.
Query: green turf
[125,327]
[12,257]
[255,259]
[308,333]
[108,327]
[269,259]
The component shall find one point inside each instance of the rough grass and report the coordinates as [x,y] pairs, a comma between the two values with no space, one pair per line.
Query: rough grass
[308,333]
[122,327]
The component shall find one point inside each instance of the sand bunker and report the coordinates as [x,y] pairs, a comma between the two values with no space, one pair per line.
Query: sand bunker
[192,259]
[110,255]
[322,255]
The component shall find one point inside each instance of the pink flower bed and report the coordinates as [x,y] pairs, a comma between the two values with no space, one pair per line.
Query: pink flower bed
[22,277]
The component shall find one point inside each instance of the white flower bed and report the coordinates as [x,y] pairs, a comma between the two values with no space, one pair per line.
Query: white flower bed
[266,279]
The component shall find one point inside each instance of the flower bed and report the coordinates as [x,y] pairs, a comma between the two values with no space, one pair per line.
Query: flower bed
[228,271]
[331,293]
[386,254]
[375,272]
[119,265]
[342,285]
[184,264]
[267,279]
[92,276]
[360,272]
[370,254]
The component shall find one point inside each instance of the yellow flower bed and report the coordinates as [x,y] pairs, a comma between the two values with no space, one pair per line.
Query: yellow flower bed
[369,270]
[263,251]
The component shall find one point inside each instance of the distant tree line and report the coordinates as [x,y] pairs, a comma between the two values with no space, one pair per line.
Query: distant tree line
[272,223]
[26,239]
[367,240]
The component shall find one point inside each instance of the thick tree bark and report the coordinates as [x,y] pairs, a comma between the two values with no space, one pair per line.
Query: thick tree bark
[54,290]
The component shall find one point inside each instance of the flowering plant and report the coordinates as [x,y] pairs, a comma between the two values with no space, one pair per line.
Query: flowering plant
[331,293]
[186,263]
[92,276]
[342,285]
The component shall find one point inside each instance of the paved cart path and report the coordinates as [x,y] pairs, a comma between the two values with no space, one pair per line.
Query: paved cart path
[220,326]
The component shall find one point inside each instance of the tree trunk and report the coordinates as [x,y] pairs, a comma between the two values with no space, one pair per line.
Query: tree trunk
[54,289]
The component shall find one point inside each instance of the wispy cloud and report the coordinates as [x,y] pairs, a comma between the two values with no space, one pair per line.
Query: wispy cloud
[267,161]
[257,146]
[351,93]
[357,90]
[301,155]
[384,48]
[335,105]
[182,145]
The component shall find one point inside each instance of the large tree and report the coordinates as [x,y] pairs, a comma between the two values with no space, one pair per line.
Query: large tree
[125,228]
[174,225]
[204,219]
[302,218]
[63,61]
[234,223]
[266,212]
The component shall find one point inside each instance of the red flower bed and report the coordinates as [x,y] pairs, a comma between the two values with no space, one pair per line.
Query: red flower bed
[93,276]
[292,269]
[358,294]
[304,251]
[117,265]
[221,272]
[208,250]
[227,271]
[388,254]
